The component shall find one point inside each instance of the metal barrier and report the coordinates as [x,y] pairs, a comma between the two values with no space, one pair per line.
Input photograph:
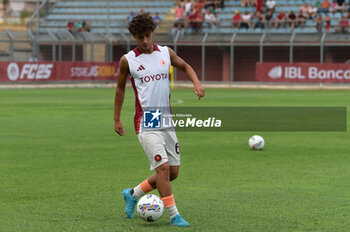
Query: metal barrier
[208,49]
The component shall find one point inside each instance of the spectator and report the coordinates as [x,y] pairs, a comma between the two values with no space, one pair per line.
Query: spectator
[195,21]
[343,25]
[341,5]
[245,3]
[130,16]
[319,23]
[305,9]
[253,2]
[302,17]
[178,26]
[78,25]
[325,6]
[269,19]
[259,20]
[246,20]
[209,4]
[179,12]
[292,20]
[236,19]
[334,6]
[318,4]
[348,15]
[187,21]
[198,6]
[156,19]
[85,26]
[70,26]
[219,4]
[259,5]
[313,11]
[188,7]
[328,23]
[280,19]
[210,19]
[217,19]
[142,11]
[270,5]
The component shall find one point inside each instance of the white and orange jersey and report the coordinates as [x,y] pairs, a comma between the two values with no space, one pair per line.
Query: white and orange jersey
[150,80]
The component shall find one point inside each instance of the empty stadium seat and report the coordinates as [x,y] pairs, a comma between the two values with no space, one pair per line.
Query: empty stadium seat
[95,12]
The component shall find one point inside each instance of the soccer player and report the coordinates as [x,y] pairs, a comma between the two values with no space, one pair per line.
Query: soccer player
[148,65]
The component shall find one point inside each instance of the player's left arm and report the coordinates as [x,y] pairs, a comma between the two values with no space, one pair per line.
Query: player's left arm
[179,63]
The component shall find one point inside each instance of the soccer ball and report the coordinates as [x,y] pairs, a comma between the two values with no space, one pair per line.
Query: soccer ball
[256,142]
[150,208]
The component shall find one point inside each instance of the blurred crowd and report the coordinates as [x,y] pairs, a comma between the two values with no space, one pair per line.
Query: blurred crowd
[192,15]
[319,12]
[78,26]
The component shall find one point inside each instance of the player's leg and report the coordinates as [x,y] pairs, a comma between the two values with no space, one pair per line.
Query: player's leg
[153,145]
[151,182]
[173,153]
[130,202]
[164,188]
[132,195]
[163,180]
[174,173]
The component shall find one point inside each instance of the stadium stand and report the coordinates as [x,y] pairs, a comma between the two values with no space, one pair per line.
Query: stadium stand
[282,5]
[99,13]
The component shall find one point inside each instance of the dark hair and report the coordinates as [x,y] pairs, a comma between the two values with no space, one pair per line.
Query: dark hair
[141,24]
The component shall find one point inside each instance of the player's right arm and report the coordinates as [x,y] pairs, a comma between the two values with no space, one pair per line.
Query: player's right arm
[122,76]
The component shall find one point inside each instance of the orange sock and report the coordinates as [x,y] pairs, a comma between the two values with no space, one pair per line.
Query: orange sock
[146,186]
[142,189]
[169,204]
[168,201]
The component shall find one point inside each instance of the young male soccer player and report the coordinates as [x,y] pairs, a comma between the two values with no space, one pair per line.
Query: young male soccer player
[148,65]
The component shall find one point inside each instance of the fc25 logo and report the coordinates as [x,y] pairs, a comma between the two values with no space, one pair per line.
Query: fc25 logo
[29,71]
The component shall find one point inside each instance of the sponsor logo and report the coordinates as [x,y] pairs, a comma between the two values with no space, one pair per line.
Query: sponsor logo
[13,71]
[158,158]
[316,73]
[322,74]
[29,71]
[162,63]
[276,72]
[93,71]
[141,68]
[152,119]
[155,77]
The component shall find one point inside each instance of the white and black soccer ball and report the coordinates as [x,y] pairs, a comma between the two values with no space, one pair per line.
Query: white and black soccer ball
[150,207]
[256,142]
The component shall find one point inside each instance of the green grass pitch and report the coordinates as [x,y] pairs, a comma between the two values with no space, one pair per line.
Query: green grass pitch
[62,166]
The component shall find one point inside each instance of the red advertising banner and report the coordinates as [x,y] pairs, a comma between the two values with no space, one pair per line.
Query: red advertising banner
[57,71]
[303,72]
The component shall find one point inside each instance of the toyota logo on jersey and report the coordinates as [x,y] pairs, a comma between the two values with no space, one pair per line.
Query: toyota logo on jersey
[155,77]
